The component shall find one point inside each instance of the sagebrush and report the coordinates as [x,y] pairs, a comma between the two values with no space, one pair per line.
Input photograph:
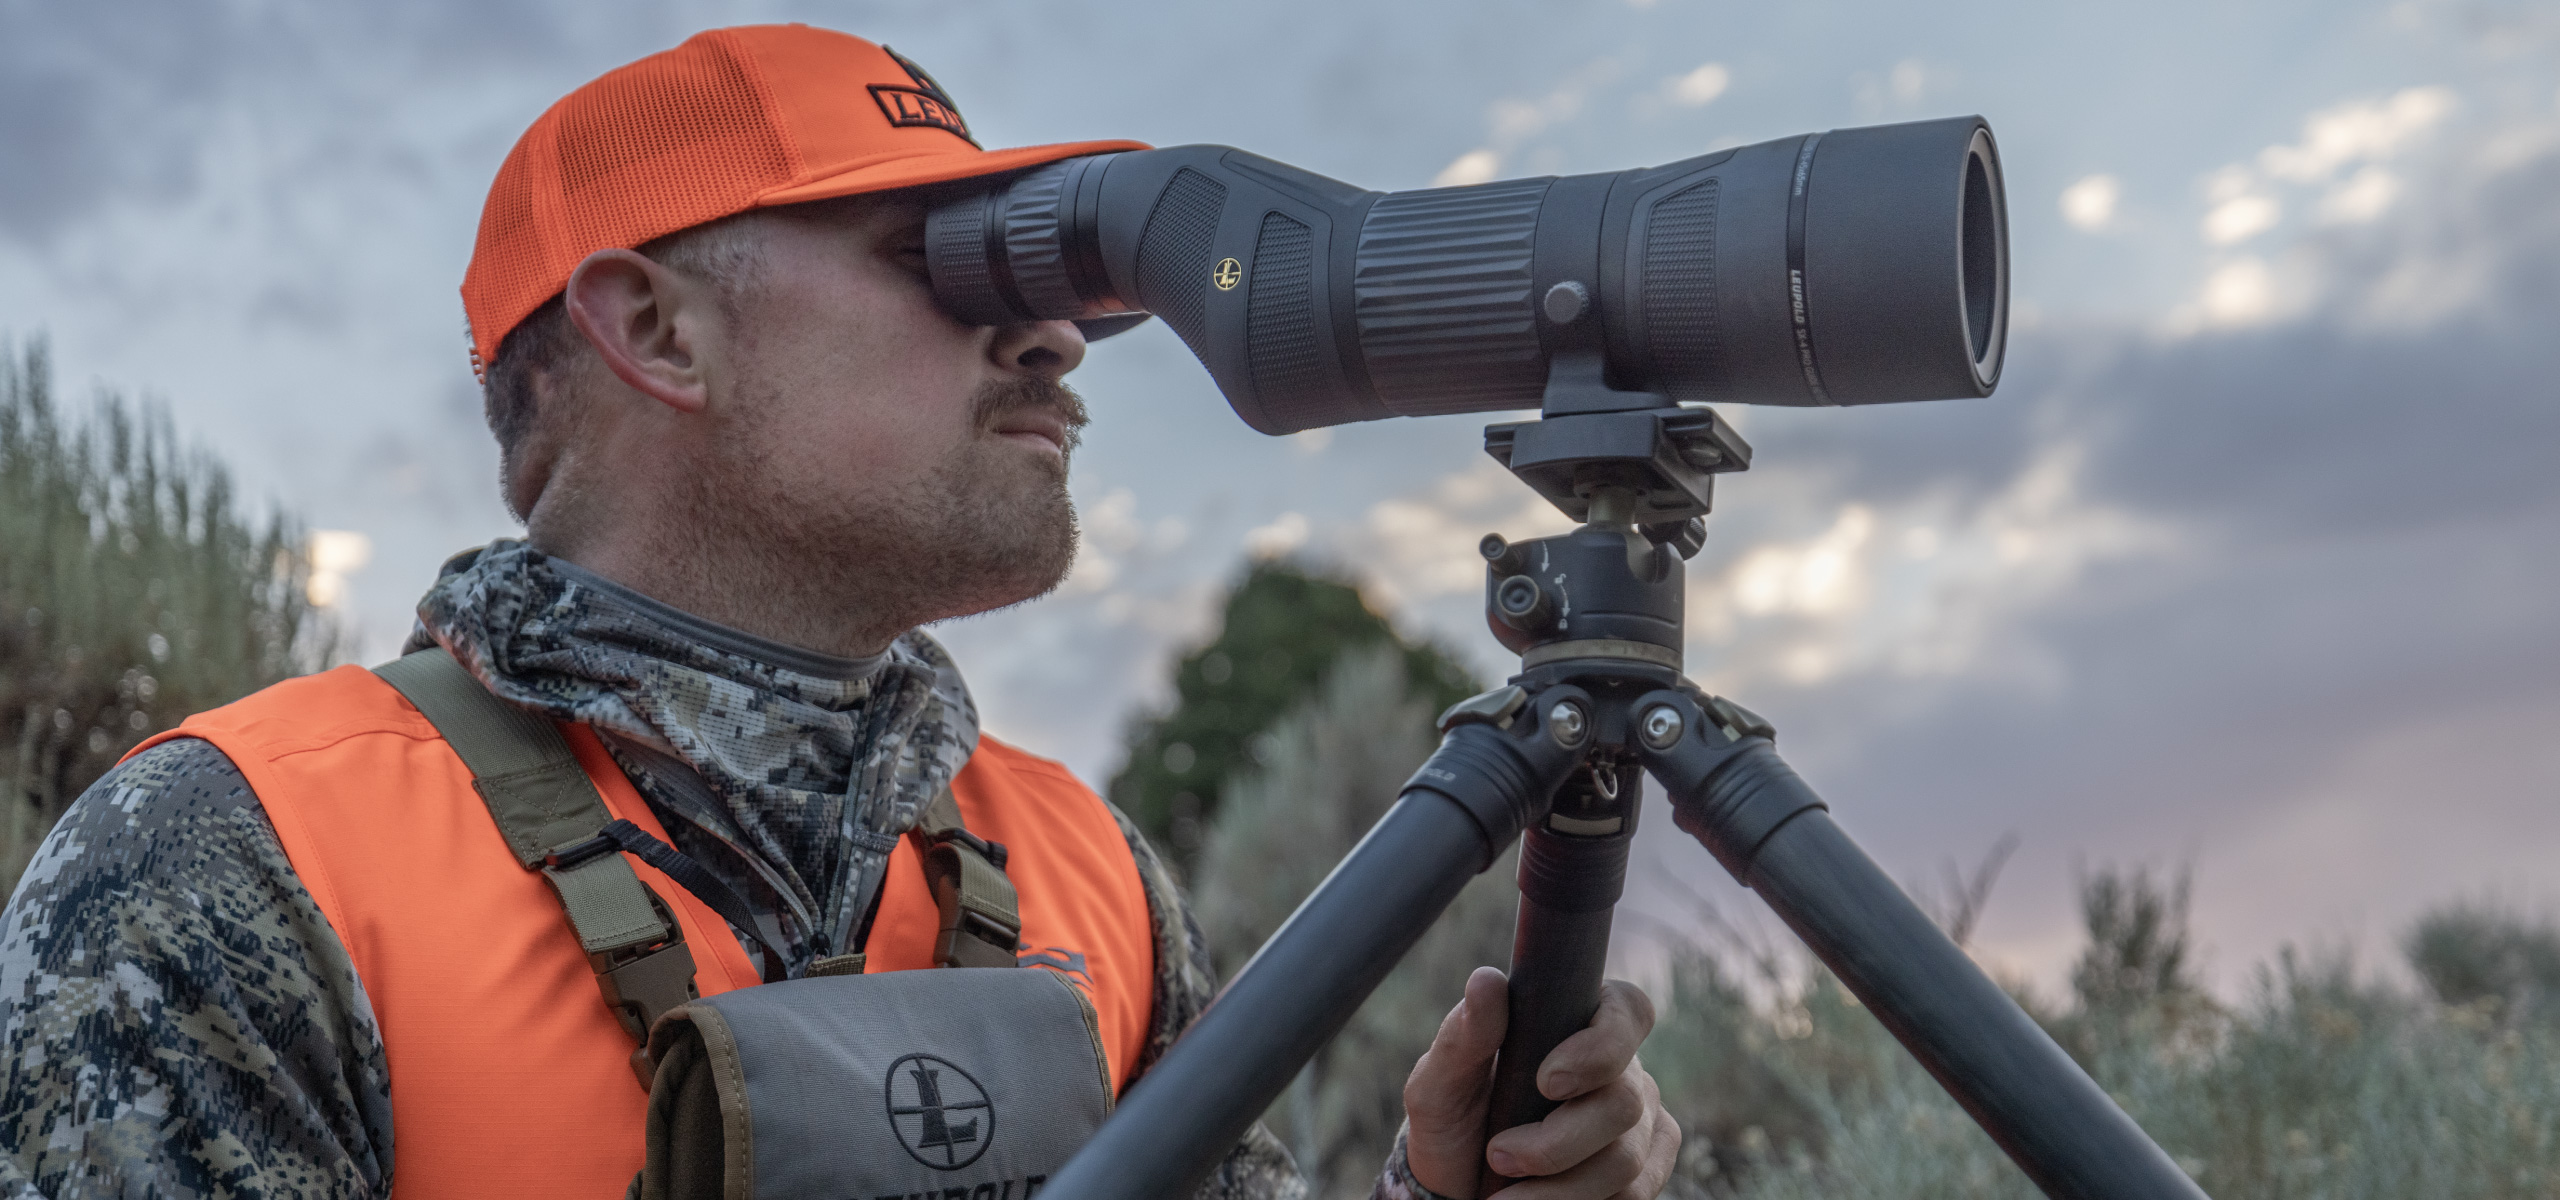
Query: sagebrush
[134,591]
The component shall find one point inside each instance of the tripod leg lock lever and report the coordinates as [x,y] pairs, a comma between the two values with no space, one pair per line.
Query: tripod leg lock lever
[1727,785]
[1495,708]
[1499,762]
[1737,722]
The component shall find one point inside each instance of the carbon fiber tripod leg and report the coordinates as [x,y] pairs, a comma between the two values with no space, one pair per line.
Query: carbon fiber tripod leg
[1731,791]
[1454,818]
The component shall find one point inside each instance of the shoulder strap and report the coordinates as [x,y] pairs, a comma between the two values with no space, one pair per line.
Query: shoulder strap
[550,814]
[981,913]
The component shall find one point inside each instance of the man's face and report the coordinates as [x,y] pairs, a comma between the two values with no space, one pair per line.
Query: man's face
[869,435]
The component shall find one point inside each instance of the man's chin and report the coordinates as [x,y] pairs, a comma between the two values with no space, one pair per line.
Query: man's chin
[1000,598]
[1015,570]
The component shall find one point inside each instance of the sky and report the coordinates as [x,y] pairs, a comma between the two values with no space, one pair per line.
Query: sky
[2251,567]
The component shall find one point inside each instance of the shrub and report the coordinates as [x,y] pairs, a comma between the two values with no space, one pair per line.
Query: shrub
[1284,626]
[133,592]
[1332,767]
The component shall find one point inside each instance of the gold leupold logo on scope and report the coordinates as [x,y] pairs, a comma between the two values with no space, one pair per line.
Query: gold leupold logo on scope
[1227,275]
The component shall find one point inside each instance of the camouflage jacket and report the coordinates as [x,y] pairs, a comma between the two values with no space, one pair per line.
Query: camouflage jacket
[181,1021]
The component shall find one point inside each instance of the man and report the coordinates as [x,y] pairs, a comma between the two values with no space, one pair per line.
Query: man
[753,458]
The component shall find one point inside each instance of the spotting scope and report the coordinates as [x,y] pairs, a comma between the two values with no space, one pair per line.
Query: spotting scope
[1858,266]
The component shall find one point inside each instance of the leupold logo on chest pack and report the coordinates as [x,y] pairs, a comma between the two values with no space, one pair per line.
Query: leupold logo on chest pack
[941,1114]
[813,1081]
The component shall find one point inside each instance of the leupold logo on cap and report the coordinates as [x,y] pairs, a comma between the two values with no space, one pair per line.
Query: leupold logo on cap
[924,104]
[940,1113]
[1228,274]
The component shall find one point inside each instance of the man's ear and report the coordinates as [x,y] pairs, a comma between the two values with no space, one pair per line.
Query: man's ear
[647,324]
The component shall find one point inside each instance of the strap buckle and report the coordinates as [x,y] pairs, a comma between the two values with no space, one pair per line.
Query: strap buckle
[970,939]
[574,854]
[993,852]
[643,982]
[981,920]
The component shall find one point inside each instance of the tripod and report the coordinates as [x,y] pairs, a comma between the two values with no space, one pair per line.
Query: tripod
[1555,757]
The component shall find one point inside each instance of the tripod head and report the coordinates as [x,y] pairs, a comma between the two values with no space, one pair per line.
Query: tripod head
[1638,471]
[1596,617]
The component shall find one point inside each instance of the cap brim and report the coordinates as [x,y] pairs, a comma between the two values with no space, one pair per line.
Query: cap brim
[889,172]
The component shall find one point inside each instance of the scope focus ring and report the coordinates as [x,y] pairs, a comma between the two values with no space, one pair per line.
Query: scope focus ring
[1032,227]
[1006,255]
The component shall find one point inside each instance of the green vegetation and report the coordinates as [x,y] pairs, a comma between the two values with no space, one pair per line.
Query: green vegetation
[1284,626]
[1332,768]
[133,592]
[2322,1081]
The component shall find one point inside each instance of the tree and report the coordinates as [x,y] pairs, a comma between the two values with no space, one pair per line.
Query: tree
[1283,628]
[2480,954]
[1332,767]
[132,594]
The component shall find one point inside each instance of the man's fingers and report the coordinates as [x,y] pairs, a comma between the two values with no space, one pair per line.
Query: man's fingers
[1577,1130]
[1602,1050]
[1637,1165]
[1659,1160]
[1618,1170]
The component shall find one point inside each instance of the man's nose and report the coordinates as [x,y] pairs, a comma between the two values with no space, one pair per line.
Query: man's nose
[1045,348]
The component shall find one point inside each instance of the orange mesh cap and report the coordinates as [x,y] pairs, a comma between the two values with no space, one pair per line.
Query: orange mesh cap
[731,120]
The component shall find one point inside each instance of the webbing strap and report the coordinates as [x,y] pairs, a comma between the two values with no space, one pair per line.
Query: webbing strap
[981,912]
[691,876]
[544,804]
[537,793]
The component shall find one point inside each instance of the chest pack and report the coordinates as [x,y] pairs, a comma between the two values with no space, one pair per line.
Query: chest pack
[977,1082]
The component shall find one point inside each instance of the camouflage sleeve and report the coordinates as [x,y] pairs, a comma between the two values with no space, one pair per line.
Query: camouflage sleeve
[1258,1168]
[1396,1182]
[179,1019]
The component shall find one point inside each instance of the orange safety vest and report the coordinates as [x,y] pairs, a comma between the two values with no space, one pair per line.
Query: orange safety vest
[509,1076]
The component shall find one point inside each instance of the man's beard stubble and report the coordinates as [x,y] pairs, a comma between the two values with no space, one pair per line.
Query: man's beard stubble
[988,527]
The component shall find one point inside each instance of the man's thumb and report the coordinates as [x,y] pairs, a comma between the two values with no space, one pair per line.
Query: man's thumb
[1455,1072]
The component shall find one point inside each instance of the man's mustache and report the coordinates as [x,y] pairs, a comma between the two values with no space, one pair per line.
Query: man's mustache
[1004,396]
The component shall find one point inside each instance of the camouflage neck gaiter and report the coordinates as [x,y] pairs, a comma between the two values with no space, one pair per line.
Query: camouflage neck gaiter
[815,764]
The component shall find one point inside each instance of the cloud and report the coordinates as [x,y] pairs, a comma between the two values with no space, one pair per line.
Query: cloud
[2361,198]
[1924,585]
[1468,169]
[2244,197]
[1904,86]
[2239,292]
[2089,204]
[2323,538]
[1422,546]
[2240,218]
[2360,131]
[1514,122]
[121,102]
[2276,594]
[1699,88]
[1284,534]
[2276,574]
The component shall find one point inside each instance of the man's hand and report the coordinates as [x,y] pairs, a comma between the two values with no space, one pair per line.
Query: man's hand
[1610,1138]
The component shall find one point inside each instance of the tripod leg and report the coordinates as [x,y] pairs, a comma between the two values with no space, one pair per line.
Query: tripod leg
[1730,790]
[1453,819]
[1569,888]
